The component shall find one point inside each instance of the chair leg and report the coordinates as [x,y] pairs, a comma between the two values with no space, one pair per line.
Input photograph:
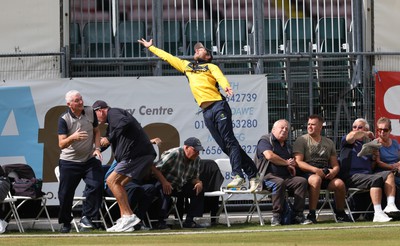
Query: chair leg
[44,208]
[14,212]
[327,200]
[177,212]
[348,209]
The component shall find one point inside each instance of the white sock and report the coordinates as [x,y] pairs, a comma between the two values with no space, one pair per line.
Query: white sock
[378,208]
[390,200]
[127,215]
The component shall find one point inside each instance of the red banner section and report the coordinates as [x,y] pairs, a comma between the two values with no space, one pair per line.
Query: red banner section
[387,103]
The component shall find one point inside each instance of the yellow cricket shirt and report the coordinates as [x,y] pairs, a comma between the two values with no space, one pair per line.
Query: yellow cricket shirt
[202,77]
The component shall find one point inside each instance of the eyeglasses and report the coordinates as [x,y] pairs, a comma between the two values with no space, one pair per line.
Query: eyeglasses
[358,127]
[383,130]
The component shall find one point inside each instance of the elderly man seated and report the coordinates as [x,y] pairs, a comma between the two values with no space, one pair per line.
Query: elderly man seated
[357,171]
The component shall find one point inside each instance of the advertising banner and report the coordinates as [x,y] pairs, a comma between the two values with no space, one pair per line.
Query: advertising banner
[387,89]
[163,105]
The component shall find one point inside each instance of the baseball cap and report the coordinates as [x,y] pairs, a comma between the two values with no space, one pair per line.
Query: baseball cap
[200,45]
[194,142]
[99,104]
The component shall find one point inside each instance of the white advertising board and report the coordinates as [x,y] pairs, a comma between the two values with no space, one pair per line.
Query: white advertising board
[165,107]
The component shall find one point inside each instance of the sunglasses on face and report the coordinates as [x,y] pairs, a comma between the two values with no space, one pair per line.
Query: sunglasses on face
[358,127]
[383,130]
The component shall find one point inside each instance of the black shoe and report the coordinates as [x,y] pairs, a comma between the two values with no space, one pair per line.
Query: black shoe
[343,217]
[87,223]
[66,228]
[192,225]
[312,218]
[163,226]
[301,219]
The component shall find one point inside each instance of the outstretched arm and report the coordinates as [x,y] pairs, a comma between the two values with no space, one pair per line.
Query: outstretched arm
[174,61]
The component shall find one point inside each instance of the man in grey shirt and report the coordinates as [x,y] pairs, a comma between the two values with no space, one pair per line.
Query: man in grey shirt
[79,141]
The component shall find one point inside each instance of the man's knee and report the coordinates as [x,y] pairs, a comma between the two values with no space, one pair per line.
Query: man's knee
[337,185]
[314,181]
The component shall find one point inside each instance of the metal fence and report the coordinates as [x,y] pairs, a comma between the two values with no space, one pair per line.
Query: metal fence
[32,66]
[306,49]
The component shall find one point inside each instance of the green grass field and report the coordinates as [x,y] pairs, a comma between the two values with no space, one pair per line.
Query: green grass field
[360,233]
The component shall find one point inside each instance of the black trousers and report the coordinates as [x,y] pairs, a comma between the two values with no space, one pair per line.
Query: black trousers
[194,208]
[71,173]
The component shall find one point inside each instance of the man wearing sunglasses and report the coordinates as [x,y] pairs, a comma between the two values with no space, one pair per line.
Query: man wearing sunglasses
[357,171]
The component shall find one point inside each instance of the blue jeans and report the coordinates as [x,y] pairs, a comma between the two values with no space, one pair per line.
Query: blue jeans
[218,120]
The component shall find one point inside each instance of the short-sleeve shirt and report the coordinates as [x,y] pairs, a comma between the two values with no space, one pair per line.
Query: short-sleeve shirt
[284,151]
[68,123]
[390,154]
[315,154]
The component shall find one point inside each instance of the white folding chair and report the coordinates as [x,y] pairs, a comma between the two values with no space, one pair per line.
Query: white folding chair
[221,195]
[13,211]
[328,197]
[256,197]
[78,200]
[21,200]
[109,202]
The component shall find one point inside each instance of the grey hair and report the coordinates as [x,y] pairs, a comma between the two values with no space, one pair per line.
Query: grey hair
[363,121]
[276,123]
[70,94]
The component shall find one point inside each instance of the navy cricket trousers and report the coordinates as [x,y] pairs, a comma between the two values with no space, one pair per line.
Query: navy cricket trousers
[218,120]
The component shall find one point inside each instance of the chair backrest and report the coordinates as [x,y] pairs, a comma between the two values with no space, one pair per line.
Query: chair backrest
[199,31]
[210,175]
[226,170]
[331,33]
[129,33]
[173,37]
[232,36]
[299,33]
[98,39]
[57,173]
[273,35]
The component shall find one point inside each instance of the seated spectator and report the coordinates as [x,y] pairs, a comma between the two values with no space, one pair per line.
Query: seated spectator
[178,174]
[388,155]
[316,157]
[359,171]
[281,173]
